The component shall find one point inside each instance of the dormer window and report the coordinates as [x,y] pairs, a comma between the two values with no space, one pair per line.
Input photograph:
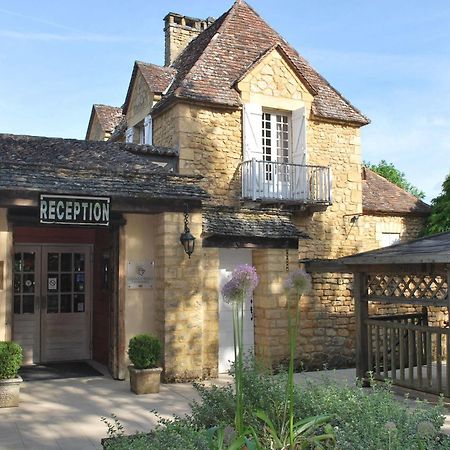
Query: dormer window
[141,133]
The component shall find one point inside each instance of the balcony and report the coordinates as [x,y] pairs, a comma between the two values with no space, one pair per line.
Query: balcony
[269,181]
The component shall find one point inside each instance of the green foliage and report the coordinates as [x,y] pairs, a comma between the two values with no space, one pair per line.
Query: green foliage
[303,434]
[376,419]
[439,220]
[369,419]
[144,351]
[10,359]
[394,175]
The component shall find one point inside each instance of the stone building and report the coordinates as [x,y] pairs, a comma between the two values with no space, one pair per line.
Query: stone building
[263,152]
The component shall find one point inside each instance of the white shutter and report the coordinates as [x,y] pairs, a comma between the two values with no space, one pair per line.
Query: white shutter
[148,130]
[252,177]
[252,131]
[299,136]
[301,183]
[129,135]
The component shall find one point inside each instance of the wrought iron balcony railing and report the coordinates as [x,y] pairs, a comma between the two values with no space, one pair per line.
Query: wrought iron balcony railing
[274,181]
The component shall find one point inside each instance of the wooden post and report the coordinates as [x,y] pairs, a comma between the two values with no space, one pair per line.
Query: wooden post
[361,313]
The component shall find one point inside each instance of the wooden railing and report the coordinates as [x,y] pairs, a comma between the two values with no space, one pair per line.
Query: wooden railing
[269,181]
[403,348]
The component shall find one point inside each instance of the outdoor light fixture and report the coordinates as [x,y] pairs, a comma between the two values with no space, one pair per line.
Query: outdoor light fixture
[186,238]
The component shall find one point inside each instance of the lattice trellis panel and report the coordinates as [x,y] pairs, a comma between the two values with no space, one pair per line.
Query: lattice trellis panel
[410,286]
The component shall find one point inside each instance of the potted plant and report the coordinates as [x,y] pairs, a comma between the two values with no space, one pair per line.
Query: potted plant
[10,361]
[144,352]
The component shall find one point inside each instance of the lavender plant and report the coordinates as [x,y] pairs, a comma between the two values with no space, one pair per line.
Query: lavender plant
[236,291]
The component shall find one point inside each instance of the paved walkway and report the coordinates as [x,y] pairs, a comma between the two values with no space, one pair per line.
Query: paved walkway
[65,414]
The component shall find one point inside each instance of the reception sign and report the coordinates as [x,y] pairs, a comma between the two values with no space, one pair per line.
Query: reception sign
[74,210]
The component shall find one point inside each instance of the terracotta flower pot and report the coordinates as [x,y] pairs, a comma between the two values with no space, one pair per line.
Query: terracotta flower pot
[145,381]
[9,392]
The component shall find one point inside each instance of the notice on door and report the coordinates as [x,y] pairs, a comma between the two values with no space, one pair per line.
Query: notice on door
[140,274]
[74,210]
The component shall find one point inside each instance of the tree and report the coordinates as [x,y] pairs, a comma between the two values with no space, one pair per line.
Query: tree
[391,173]
[439,220]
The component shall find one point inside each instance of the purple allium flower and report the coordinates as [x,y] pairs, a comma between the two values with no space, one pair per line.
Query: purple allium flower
[244,280]
[298,281]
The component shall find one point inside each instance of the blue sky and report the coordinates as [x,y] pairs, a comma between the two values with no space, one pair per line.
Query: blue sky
[391,59]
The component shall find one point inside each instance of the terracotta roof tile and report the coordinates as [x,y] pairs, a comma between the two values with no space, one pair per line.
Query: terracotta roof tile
[157,78]
[212,62]
[383,197]
[108,116]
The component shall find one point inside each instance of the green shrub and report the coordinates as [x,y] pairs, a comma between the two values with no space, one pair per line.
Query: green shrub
[10,359]
[144,351]
[369,419]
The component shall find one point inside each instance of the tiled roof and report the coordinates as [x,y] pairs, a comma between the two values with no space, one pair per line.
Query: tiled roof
[209,67]
[157,78]
[232,222]
[79,154]
[108,116]
[55,165]
[383,197]
[429,249]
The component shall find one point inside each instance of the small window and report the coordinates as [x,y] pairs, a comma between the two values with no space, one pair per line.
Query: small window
[389,239]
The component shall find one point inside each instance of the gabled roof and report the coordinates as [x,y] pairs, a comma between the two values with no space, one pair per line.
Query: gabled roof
[429,249]
[30,164]
[157,78]
[108,117]
[212,63]
[380,196]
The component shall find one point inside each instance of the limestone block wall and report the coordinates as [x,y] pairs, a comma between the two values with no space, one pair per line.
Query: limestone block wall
[327,322]
[187,306]
[371,227]
[6,242]
[273,84]
[178,36]
[96,132]
[166,128]
[332,234]
[140,103]
[210,144]
[270,308]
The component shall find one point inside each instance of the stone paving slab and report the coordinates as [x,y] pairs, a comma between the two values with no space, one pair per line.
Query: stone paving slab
[65,414]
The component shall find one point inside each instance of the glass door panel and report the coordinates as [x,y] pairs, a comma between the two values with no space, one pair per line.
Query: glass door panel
[26,307]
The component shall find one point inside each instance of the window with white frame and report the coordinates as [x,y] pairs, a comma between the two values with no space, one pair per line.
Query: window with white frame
[389,239]
[275,142]
[141,133]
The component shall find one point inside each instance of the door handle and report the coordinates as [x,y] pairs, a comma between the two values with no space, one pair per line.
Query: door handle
[43,302]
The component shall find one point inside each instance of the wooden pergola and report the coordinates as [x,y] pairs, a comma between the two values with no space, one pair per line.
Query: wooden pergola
[409,341]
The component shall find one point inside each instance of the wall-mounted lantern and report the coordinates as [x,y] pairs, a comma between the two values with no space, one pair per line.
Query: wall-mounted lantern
[186,238]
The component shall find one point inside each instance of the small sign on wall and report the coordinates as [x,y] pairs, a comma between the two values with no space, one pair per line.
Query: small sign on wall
[140,274]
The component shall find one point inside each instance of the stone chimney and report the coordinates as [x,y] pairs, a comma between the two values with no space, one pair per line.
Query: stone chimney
[179,31]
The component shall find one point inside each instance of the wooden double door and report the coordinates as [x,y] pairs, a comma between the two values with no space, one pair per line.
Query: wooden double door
[52,302]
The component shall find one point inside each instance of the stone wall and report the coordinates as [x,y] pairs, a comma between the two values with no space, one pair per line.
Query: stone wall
[187,307]
[6,243]
[331,232]
[210,145]
[371,227]
[140,102]
[177,37]
[271,319]
[327,322]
